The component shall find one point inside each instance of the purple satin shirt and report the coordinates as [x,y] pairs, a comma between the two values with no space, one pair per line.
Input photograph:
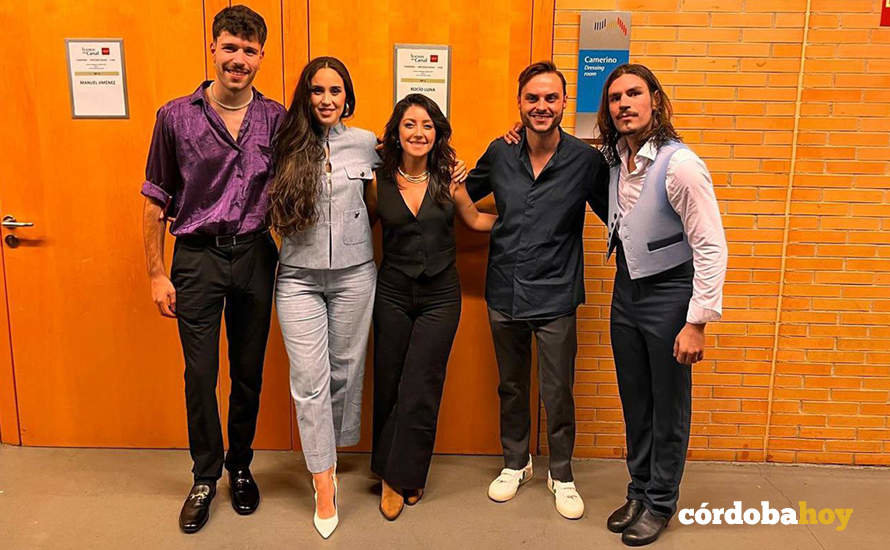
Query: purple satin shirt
[209,183]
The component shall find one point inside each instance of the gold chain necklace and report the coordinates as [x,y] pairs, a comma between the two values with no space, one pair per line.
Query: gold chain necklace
[420,178]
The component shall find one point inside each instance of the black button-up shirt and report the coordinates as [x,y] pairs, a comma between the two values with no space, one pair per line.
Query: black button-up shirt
[536,256]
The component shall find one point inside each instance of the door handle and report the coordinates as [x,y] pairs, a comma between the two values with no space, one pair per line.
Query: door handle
[9,221]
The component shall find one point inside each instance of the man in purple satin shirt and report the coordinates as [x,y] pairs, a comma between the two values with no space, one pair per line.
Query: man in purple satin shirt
[207,171]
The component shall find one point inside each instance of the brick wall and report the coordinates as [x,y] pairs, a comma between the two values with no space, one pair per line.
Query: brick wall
[805,196]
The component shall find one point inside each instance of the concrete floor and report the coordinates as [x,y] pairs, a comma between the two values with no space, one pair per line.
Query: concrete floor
[86,498]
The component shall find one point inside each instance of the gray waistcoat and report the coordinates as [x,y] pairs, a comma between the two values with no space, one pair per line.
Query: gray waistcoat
[342,236]
[652,232]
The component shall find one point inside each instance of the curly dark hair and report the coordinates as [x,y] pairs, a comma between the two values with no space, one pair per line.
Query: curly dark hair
[441,157]
[661,130]
[298,153]
[240,21]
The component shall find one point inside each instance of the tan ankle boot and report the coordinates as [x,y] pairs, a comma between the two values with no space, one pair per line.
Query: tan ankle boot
[413,497]
[391,502]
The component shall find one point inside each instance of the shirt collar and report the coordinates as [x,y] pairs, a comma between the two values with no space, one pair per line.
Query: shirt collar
[523,149]
[336,130]
[647,151]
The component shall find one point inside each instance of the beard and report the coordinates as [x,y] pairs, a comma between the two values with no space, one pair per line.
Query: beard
[526,121]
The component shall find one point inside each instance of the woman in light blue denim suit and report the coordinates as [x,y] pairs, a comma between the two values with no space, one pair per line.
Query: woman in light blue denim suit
[326,278]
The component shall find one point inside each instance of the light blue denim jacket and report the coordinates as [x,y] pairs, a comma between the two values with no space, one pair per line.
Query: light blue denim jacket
[342,236]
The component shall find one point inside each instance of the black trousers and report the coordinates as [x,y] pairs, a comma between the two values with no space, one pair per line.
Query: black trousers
[557,345]
[238,281]
[656,390]
[414,325]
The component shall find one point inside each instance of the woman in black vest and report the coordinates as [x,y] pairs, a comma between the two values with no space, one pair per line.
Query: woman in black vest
[415,194]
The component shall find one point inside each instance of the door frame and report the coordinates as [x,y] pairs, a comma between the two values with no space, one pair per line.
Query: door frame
[10,429]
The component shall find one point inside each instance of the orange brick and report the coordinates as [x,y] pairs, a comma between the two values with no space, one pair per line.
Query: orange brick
[856,421]
[830,408]
[831,382]
[723,442]
[708,454]
[712,5]
[876,396]
[772,35]
[854,446]
[799,419]
[796,444]
[872,435]
[827,433]
[872,459]
[825,458]
[781,456]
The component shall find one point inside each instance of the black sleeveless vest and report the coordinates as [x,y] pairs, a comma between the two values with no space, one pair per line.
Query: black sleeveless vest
[421,245]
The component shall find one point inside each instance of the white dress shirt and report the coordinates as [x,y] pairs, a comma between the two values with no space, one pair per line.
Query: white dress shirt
[691,194]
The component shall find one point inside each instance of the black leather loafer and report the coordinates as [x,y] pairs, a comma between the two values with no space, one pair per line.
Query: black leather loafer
[624,516]
[645,530]
[196,508]
[245,493]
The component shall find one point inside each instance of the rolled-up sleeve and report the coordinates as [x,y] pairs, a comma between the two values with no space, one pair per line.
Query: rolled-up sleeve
[162,176]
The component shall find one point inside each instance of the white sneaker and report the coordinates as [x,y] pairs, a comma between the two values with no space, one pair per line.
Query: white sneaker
[504,487]
[568,501]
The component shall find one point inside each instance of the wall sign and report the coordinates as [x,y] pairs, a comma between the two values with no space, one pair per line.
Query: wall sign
[97,78]
[423,69]
[602,46]
[885,13]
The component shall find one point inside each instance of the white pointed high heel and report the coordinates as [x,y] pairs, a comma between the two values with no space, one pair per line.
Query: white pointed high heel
[326,526]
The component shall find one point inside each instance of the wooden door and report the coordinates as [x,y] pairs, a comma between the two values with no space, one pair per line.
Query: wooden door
[489,48]
[94,363]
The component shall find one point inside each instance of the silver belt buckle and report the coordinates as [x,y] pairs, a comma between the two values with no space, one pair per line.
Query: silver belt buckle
[226,240]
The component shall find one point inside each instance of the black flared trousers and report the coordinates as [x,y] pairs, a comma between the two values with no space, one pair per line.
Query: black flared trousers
[415,320]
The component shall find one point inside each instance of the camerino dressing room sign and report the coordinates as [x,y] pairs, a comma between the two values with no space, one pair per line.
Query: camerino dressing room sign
[602,46]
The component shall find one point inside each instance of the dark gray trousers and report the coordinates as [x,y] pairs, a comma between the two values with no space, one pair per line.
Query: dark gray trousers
[557,345]
[656,390]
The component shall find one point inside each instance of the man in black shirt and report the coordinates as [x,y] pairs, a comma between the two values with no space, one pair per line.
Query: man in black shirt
[535,278]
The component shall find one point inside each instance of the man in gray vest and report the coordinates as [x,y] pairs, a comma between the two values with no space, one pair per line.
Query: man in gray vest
[664,223]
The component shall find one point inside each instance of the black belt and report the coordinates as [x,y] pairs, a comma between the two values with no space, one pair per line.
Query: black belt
[222,240]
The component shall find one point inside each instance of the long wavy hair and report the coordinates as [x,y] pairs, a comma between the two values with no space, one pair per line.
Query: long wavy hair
[298,153]
[661,130]
[441,157]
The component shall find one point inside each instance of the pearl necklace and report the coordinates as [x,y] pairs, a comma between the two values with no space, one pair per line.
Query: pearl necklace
[420,178]
[228,107]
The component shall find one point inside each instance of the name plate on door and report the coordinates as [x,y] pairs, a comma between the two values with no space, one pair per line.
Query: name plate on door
[97,78]
[603,45]
[423,69]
